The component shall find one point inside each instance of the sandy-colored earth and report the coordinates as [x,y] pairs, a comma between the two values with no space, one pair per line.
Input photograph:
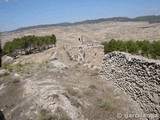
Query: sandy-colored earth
[62,87]
[94,32]
[67,90]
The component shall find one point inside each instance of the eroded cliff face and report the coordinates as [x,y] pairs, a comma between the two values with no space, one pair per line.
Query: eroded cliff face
[138,76]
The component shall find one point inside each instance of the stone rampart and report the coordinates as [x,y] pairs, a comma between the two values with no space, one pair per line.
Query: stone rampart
[137,76]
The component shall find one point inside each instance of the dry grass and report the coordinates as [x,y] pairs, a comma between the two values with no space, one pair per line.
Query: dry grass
[4,74]
[7,66]
[105,104]
[45,115]
[71,91]
[95,72]
[60,114]
[9,106]
[92,87]
[15,81]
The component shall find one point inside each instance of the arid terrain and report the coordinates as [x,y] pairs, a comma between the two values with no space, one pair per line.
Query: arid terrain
[50,86]
[94,33]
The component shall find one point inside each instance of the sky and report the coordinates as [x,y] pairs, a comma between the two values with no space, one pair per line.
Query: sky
[22,13]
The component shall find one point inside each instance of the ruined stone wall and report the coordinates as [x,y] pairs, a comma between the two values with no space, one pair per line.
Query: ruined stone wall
[87,54]
[138,76]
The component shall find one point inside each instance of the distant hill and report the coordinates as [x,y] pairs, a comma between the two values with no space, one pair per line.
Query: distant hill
[45,25]
[150,19]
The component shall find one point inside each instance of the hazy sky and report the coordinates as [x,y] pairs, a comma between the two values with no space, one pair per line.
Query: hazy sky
[21,13]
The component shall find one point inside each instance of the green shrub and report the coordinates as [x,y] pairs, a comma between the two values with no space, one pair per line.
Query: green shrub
[7,66]
[105,105]
[28,44]
[19,67]
[144,48]
[131,46]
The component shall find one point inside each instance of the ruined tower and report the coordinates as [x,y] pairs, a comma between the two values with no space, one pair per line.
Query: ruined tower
[81,40]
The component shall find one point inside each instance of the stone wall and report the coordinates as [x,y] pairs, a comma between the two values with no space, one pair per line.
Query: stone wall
[138,76]
[87,54]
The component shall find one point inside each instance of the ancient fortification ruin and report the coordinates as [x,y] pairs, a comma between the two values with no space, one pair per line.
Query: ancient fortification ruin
[88,54]
[138,76]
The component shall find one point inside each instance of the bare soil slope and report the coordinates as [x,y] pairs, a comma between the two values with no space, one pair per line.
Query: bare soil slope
[49,85]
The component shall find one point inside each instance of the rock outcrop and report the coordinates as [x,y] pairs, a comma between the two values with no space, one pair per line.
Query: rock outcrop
[6,59]
[138,76]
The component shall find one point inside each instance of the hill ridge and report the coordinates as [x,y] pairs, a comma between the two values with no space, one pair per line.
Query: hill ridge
[148,18]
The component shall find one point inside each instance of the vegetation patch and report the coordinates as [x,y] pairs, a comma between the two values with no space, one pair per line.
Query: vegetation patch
[95,72]
[4,74]
[144,48]
[105,105]
[74,102]
[89,92]
[23,68]
[20,67]
[92,87]
[45,115]
[7,106]
[28,45]
[72,92]
[7,66]
[15,81]
[60,114]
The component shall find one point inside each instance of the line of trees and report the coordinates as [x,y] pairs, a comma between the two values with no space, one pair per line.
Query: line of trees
[28,45]
[144,48]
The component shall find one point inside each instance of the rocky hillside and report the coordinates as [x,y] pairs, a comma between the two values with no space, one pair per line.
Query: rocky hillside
[149,19]
[66,82]
[51,86]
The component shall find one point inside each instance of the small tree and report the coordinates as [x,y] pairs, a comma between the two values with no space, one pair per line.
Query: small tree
[145,48]
[131,46]
[28,44]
